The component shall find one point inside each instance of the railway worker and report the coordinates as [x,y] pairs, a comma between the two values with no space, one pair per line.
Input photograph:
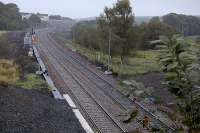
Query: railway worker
[145,122]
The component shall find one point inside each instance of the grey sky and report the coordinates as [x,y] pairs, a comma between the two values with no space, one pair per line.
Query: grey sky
[91,8]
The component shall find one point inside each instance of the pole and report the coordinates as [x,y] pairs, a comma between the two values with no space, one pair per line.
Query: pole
[109,51]
[73,32]
[32,31]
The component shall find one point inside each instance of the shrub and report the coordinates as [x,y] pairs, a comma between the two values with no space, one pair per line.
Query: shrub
[27,64]
[198,40]
[31,67]
[181,64]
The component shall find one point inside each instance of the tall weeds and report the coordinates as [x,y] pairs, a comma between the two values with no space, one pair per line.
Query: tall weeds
[8,72]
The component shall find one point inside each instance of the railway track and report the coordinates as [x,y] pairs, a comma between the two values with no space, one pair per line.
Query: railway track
[106,86]
[105,121]
[80,72]
[98,118]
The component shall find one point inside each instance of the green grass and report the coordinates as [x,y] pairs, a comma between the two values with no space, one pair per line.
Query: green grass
[9,75]
[32,81]
[142,61]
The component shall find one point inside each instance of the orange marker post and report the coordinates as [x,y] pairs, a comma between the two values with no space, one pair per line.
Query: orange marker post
[145,122]
[34,39]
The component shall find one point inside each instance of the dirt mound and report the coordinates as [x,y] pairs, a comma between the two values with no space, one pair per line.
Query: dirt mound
[32,111]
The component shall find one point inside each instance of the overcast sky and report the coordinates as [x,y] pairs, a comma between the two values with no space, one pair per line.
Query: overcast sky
[92,8]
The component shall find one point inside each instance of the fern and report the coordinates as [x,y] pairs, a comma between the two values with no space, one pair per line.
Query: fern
[181,66]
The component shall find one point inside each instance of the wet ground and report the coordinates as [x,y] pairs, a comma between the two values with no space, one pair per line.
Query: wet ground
[156,80]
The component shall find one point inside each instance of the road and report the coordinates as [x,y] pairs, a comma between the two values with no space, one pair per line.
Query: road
[98,101]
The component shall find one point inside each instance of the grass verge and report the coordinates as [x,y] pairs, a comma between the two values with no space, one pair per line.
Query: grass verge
[32,81]
[9,75]
[142,62]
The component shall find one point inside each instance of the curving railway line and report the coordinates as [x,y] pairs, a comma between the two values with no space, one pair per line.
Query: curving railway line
[97,98]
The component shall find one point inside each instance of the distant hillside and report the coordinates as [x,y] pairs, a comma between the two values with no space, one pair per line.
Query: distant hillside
[85,19]
[185,24]
[138,19]
[67,18]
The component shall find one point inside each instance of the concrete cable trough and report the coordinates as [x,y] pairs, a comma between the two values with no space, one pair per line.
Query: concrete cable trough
[55,92]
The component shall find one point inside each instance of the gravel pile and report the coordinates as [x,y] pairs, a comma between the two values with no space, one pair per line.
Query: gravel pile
[32,111]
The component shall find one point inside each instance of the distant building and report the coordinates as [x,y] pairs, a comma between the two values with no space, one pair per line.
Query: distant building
[55,17]
[43,17]
[26,15]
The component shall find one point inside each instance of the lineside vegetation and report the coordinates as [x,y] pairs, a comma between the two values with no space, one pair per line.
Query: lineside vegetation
[180,62]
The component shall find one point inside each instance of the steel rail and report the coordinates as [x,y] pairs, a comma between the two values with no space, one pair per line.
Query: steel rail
[111,86]
[110,117]
[74,97]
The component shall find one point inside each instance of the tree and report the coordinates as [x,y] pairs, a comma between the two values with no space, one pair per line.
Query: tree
[26,23]
[119,20]
[156,28]
[10,18]
[34,20]
[85,34]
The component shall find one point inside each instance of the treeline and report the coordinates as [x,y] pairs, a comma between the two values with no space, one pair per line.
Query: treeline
[95,35]
[55,17]
[11,19]
[84,31]
[187,25]
[32,21]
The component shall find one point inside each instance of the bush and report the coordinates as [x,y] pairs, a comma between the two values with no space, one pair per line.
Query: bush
[31,67]
[27,64]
